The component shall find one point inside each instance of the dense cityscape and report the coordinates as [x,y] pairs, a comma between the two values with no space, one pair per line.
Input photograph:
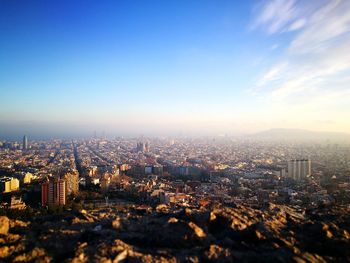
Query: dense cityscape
[181,172]
[151,175]
[174,131]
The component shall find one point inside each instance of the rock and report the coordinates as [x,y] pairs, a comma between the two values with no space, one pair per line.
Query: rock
[212,216]
[178,233]
[4,225]
[218,254]
[162,208]
[121,256]
[18,223]
[77,220]
[80,256]
[197,230]
[12,238]
[119,246]
[4,252]
[309,258]
[188,211]
[117,223]
[7,251]
[259,235]
[218,234]
[173,220]
[37,254]
[327,231]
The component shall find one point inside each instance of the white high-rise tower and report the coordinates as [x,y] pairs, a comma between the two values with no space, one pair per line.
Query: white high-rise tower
[299,169]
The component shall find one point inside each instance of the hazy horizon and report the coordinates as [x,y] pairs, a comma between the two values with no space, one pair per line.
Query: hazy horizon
[59,131]
[69,68]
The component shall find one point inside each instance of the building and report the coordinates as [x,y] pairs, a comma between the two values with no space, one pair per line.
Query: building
[124,167]
[8,184]
[17,203]
[299,169]
[105,182]
[53,192]
[140,147]
[24,178]
[72,182]
[147,146]
[148,170]
[44,193]
[158,169]
[27,178]
[25,142]
[280,172]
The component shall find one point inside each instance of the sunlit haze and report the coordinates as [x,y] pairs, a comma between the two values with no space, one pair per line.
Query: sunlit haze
[173,67]
[175,131]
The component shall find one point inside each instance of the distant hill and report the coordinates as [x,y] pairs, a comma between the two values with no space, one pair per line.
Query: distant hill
[301,135]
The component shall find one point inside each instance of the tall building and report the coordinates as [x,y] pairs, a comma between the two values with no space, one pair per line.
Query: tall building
[72,182]
[8,184]
[299,169]
[25,142]
[140,147]
[105,182]
[147,146]
[27,178]
[158,169]
[24,178]
[53,192]
[44,193]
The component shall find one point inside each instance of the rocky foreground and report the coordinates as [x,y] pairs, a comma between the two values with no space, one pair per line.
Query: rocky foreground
[128,234]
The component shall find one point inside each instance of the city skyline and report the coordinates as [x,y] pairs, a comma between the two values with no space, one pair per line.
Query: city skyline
[156,68]
[175,131]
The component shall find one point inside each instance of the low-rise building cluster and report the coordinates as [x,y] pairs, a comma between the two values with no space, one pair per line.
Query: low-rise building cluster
[181,171]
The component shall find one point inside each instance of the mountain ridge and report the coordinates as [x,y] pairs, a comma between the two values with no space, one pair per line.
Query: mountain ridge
[301,134]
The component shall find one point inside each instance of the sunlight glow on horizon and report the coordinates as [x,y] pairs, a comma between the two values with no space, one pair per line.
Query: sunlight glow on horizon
[192,67]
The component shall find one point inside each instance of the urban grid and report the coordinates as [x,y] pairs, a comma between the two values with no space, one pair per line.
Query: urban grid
[187,131]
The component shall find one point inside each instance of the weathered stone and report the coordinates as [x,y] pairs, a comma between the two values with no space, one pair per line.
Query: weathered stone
[5,251]
[224,234]
[34,254]
[117,223]
[4,225]
[18,223]
[216,253]
[121,256]
[161,208]
[197,230]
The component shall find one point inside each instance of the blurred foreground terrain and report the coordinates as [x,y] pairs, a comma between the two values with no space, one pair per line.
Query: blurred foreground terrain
[129,233]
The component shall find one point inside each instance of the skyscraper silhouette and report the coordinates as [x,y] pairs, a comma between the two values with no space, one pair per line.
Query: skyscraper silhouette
[25,142]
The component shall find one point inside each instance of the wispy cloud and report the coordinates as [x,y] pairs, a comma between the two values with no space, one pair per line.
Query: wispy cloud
[274,74]
[298,24]
[277,16]
[324,28]
[316,59]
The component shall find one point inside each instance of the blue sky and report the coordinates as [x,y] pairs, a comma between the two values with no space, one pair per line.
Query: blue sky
[172,66]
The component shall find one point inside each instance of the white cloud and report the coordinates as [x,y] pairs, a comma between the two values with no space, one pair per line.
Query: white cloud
[272,75]
[275,15]
[324,27]
[298,24]
[313,73]
[278,16]
[317,57]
